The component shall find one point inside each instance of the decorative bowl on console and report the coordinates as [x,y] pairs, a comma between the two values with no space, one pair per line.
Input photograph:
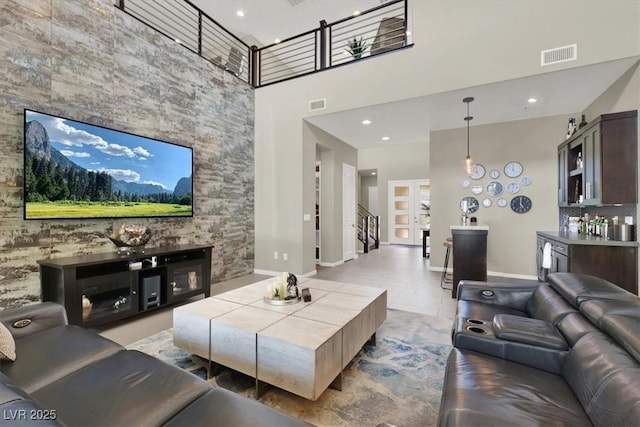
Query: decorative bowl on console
[131,238]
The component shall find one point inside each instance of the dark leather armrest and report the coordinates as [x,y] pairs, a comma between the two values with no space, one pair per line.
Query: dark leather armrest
[513,295]
[29,319]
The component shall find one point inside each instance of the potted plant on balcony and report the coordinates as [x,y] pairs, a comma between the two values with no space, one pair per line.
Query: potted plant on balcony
[356,48]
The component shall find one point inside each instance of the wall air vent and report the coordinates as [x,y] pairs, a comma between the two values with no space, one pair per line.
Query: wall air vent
[559,54]
[318,104]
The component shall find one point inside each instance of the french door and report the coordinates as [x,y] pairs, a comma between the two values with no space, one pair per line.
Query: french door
[409,207]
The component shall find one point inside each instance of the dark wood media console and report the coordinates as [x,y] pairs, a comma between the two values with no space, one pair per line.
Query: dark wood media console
[102,288]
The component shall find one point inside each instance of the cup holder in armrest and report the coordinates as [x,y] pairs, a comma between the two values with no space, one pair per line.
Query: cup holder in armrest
[476,321]
[476,329]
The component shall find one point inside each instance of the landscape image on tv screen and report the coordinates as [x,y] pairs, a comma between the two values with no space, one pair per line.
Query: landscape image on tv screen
[77,170]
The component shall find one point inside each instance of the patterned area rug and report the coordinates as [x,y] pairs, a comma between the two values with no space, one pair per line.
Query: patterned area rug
[398,381]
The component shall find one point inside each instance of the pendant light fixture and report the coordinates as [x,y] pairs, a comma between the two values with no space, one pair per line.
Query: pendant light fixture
[468,161]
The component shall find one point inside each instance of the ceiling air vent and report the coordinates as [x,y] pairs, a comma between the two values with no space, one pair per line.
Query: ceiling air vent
[559,54]
[318,104]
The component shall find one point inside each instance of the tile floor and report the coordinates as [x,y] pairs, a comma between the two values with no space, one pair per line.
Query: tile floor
[402,270]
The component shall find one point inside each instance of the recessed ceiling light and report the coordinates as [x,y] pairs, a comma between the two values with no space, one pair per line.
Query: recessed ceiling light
[385,138]
[373,173]
[240,13]
[177,40]
[532,100]
[276,41]
[356,13]
[366,122]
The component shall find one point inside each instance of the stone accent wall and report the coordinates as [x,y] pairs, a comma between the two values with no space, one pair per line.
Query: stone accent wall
[89,61]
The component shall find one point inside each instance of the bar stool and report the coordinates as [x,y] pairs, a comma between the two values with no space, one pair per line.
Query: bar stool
[446,277]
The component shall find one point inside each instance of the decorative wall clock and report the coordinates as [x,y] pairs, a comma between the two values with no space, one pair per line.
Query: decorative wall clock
[486,202]
[513,169]
[521,204]
[477,172]
[470,203]
[494,174]
[494,188]
[513,187]
[525,180]
[502,202]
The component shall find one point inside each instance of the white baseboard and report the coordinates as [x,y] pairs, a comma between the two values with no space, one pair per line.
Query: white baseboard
[512,276]
[493,273]
[267,272]
[331,264]
[277,273]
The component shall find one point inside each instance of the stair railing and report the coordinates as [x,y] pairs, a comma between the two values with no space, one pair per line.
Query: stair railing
[368,229]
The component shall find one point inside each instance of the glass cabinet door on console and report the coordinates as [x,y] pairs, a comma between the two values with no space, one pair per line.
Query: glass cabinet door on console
[184,278]
[109,295]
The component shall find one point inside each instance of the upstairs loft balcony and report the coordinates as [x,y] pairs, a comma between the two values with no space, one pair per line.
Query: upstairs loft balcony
[376,31]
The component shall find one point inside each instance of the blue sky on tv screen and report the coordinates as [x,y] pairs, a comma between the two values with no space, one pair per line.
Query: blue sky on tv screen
[123,156]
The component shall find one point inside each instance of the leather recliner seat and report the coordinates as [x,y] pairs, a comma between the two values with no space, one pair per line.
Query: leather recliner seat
[67,375]
[526,377]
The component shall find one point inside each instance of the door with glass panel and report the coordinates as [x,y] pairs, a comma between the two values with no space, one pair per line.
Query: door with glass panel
[409,207]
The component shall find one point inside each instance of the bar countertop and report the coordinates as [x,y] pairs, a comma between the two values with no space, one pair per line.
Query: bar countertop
[583,239]
[470,227]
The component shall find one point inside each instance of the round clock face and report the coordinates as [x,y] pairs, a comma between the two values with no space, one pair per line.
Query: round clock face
[525,180]
[477,172]
[513,188]
[521,204]
[502,202]
[513,169]
[470,204]
[494,188]
[476,189]
[465,183]
[486,203]
[494,174]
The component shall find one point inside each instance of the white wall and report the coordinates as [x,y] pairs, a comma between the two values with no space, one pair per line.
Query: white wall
[367,182]
[457,44]
[333,154]
[511,244]
[394,162]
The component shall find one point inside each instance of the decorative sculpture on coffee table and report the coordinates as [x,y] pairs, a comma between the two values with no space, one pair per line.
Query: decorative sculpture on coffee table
[283,291]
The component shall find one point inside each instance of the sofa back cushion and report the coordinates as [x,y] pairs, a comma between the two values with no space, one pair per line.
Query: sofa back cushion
[574,326]
[19,409]
[604,377]
[546,304]
[595,310]
[626,331]
[619,319]
[577,288]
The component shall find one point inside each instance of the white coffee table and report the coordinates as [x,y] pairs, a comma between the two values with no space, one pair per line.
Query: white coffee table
[301,348]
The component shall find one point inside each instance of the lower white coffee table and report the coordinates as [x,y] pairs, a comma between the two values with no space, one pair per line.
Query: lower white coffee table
[301,348]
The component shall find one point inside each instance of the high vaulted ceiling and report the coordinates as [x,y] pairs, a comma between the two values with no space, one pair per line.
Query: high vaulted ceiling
[411,120]
[267,20]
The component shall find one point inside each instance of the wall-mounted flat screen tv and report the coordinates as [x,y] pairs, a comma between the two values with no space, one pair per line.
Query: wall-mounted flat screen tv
[78,170]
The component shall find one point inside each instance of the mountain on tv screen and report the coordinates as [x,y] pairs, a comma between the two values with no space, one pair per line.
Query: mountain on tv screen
[78,170]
